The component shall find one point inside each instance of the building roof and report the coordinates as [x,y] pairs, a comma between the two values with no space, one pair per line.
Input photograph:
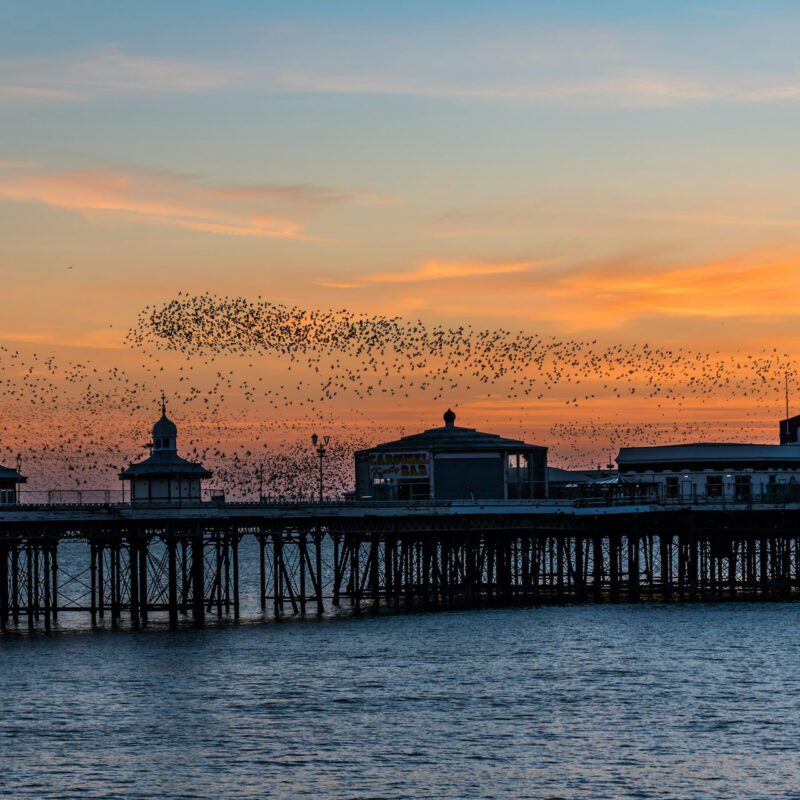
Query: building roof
[709,453]
[556,475]
[165,427]
[165,463]
[9,474]
[453,438]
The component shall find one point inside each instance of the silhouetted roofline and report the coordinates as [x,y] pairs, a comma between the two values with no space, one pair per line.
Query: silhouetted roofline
[165,463]
[451,438]
[10,474]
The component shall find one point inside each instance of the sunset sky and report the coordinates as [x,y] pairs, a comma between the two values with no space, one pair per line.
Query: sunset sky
[619,171]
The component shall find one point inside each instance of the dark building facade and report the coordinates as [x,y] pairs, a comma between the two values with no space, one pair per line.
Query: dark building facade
[726,471]
[790,430]
[165,477]
[10,481]
[452,463]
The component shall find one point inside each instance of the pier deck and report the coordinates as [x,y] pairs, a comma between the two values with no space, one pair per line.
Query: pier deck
[182,561]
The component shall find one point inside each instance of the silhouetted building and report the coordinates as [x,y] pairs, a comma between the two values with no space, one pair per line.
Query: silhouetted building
[452,463]
[10,481]
[724,471]
[569,484]
[165,477]
[790,430]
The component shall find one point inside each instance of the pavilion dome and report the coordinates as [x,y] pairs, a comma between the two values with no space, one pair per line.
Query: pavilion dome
[165,427]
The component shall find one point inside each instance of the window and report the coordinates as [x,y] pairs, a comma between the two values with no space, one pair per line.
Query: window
[673,487]
[714,486]
[743,487]
[519,476]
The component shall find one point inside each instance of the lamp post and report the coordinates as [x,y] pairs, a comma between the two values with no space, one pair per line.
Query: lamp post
[19,473]
[320,445]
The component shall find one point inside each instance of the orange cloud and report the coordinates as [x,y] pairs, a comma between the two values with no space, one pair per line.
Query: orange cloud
[435,270]
[613,294]
[164,198]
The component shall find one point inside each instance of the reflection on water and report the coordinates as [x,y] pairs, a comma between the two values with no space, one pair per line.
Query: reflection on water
[648,701]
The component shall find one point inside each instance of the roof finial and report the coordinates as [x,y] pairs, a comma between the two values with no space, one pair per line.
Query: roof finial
[163,403]
[449,418]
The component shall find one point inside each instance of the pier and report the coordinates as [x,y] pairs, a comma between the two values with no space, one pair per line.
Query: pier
[180,563]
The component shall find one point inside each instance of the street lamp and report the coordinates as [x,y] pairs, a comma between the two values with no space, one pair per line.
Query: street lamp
[321,448]
[19,473]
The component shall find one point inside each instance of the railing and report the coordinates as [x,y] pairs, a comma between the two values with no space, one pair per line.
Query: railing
[105,498]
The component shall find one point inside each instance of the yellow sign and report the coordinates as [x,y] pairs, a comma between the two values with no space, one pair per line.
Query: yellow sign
[391,466]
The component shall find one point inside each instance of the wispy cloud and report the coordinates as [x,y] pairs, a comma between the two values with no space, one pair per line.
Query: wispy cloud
[592,67]
[181,201]
[434,270]
[106,70]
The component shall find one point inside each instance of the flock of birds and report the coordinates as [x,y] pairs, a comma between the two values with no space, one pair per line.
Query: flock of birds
[248,381]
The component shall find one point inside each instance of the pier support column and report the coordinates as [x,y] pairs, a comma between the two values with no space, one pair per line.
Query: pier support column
[318,585]
[235,569]
[54,579]
[172,580]
[375,579]
[597,567]
[15,583]
[262,570]
[143,589]
[133,561]
[301,566]
[633,567]
[4,605]
[277,577]
[665,555]
[198,580]
[47,586]
[29,587]
[613,566]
